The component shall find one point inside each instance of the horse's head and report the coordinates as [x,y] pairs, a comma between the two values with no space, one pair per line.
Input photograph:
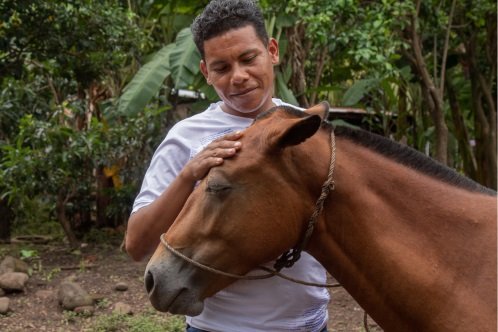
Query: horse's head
[245,212]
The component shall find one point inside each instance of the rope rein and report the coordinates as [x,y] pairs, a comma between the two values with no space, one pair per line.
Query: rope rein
[270,272]
[289,258]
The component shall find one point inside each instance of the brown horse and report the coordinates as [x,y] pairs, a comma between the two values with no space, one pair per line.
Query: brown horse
[412,241]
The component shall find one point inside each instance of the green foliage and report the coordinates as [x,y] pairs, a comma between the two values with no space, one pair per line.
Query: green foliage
[184,60]
[357,91]
[282,91]
[28,253]
[146,83]
[49,159]
[64,115]
[359,35]
[52,273]
[80,40]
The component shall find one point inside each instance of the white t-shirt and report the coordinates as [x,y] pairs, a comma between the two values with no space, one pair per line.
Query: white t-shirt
[272,304]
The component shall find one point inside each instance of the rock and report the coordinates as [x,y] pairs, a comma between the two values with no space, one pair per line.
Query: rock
[121,286]
[11,264]
[2,292]
[21,266]
[97,297]
[8,264]
[13,281]
[4,305]
[122,309]
[72,295]
[86,310]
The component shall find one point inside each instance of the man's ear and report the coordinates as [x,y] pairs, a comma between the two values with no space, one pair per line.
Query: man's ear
[273,51]
[298,130]
[204,71]
[322,110]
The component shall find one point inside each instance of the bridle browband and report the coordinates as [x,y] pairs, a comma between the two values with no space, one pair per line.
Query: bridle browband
[288,258]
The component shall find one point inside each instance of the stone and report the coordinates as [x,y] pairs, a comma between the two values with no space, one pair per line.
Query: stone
[122,308]
[86,310]
[121,286]
[21,266]
[11,264]
[4,305]
[72,295]
[13,281]
[97,297]
[7,265]
[2,292]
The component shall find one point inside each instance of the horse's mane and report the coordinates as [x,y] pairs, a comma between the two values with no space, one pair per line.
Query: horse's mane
[402,154]
[411,158]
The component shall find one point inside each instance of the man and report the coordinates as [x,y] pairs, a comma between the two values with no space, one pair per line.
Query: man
[237,60]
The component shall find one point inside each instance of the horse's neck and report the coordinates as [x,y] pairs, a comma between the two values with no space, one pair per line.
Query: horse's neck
[389,232]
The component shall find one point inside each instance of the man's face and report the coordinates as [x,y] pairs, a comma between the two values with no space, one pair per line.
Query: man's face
[240,68]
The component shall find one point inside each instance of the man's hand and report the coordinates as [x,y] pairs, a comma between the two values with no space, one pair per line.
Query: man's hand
[212,155]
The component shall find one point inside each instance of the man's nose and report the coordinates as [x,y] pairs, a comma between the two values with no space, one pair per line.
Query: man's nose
[239,75]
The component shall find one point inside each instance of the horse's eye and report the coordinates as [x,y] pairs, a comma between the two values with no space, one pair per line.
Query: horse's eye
[217,188]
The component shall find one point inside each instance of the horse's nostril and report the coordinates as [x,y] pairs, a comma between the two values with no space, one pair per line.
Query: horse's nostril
[149,282]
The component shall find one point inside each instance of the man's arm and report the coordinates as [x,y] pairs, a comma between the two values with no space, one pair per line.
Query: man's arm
[148,223]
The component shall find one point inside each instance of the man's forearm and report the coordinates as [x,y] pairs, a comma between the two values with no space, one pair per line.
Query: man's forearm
[147,224]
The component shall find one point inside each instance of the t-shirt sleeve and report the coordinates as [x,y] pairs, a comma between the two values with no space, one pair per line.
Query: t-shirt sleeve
[167,162]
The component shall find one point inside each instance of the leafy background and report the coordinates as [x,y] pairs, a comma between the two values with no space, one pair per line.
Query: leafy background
[88,90]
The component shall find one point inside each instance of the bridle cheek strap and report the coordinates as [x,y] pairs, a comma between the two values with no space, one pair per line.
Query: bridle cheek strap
[287,259]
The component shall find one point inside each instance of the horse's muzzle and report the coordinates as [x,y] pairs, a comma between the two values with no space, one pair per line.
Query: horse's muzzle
[169,289]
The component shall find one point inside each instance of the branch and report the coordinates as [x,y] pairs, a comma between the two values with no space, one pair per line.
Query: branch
[49,81]
[420,62]
[446,43]
[319,70]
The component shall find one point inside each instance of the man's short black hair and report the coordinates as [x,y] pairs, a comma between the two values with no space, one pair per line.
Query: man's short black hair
[220,16]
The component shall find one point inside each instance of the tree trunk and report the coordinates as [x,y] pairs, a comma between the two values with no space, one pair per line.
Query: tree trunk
[484,108]
[402,121]
[62,199]
[461,133]
[436,109]
[6,218]
[320,63]
[297,57]
[102,197]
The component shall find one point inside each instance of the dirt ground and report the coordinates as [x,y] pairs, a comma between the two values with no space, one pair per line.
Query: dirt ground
[98,269]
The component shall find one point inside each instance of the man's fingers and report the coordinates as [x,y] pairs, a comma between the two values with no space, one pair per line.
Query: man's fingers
[230,136]
[224,144]
[233,135]
[222,153]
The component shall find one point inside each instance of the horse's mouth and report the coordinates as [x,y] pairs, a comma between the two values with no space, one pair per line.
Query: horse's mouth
[179,302]
[167,294]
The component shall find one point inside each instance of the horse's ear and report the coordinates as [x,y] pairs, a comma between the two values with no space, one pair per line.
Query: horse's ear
[299,130]
[322,110]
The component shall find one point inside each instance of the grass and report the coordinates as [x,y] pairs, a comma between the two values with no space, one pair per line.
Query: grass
[149,321]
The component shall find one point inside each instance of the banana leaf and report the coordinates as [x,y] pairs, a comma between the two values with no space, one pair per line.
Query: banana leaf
[146,83]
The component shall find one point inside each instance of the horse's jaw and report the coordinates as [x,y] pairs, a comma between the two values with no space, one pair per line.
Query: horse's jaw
[170,286]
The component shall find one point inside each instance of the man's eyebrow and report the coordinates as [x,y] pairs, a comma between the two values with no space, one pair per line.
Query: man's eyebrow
[217,62]
[243,54]
[252,50]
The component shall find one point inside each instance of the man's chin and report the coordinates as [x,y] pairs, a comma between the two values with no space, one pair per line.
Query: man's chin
[249,109]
